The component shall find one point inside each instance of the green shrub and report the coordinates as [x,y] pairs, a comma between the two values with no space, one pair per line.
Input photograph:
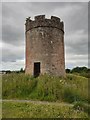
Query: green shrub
[82,107]
[68,95]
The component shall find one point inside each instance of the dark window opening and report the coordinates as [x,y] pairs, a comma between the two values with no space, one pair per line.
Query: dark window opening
[36,69]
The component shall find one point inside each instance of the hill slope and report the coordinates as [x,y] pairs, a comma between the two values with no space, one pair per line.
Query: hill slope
[71,89]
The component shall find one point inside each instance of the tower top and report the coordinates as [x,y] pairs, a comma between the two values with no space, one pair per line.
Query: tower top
[41,21]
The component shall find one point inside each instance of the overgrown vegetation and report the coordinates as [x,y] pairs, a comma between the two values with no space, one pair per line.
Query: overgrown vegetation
[80,106]
[49,88]
[83,71]
[32,110]
[71,89]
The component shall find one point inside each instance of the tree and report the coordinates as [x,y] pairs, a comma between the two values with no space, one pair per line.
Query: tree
[21,70]
[68,70]
[79,70]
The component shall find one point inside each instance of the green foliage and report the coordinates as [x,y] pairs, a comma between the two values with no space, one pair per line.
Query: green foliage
[81,106]
[48,88]
[40,110]
[17,85]
[82,71]
[68,70]
[71,89]
[22,71]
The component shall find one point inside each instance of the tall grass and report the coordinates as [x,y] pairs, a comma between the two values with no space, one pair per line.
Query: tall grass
[34,110]
[17,85]
[70,89]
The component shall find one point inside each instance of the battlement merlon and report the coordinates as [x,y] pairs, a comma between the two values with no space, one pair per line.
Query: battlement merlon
[55,19]
[39,17]
[41,21]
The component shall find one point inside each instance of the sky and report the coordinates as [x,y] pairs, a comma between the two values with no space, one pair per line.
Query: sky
[12,40]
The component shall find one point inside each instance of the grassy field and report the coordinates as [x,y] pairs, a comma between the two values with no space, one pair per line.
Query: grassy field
[72,89]
[32,110]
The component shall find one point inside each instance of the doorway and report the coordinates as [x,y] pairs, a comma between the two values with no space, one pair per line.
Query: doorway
[36,69]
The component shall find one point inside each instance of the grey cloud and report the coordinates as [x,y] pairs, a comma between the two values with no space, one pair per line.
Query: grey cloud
[13,54]
[12,25]
[79,19]
[13,35]
[77,44]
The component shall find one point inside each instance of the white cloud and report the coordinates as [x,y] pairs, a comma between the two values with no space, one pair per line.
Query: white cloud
[77,42]
[13,65]
[76,60]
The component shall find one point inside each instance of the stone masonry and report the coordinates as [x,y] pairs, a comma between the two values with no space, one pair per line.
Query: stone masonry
[45,46]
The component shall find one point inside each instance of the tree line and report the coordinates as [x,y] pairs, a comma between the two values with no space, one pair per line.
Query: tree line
[78,70]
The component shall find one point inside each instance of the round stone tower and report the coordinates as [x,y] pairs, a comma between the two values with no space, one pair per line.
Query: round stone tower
[45,46]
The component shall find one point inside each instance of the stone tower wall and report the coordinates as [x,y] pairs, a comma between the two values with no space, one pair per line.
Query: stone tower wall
[45,44]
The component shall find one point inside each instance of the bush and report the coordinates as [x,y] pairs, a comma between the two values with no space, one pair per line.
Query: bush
[68,95]
[68,70]
[80,106]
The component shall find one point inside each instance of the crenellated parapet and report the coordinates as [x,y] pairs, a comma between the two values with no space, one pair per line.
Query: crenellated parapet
[41,21]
